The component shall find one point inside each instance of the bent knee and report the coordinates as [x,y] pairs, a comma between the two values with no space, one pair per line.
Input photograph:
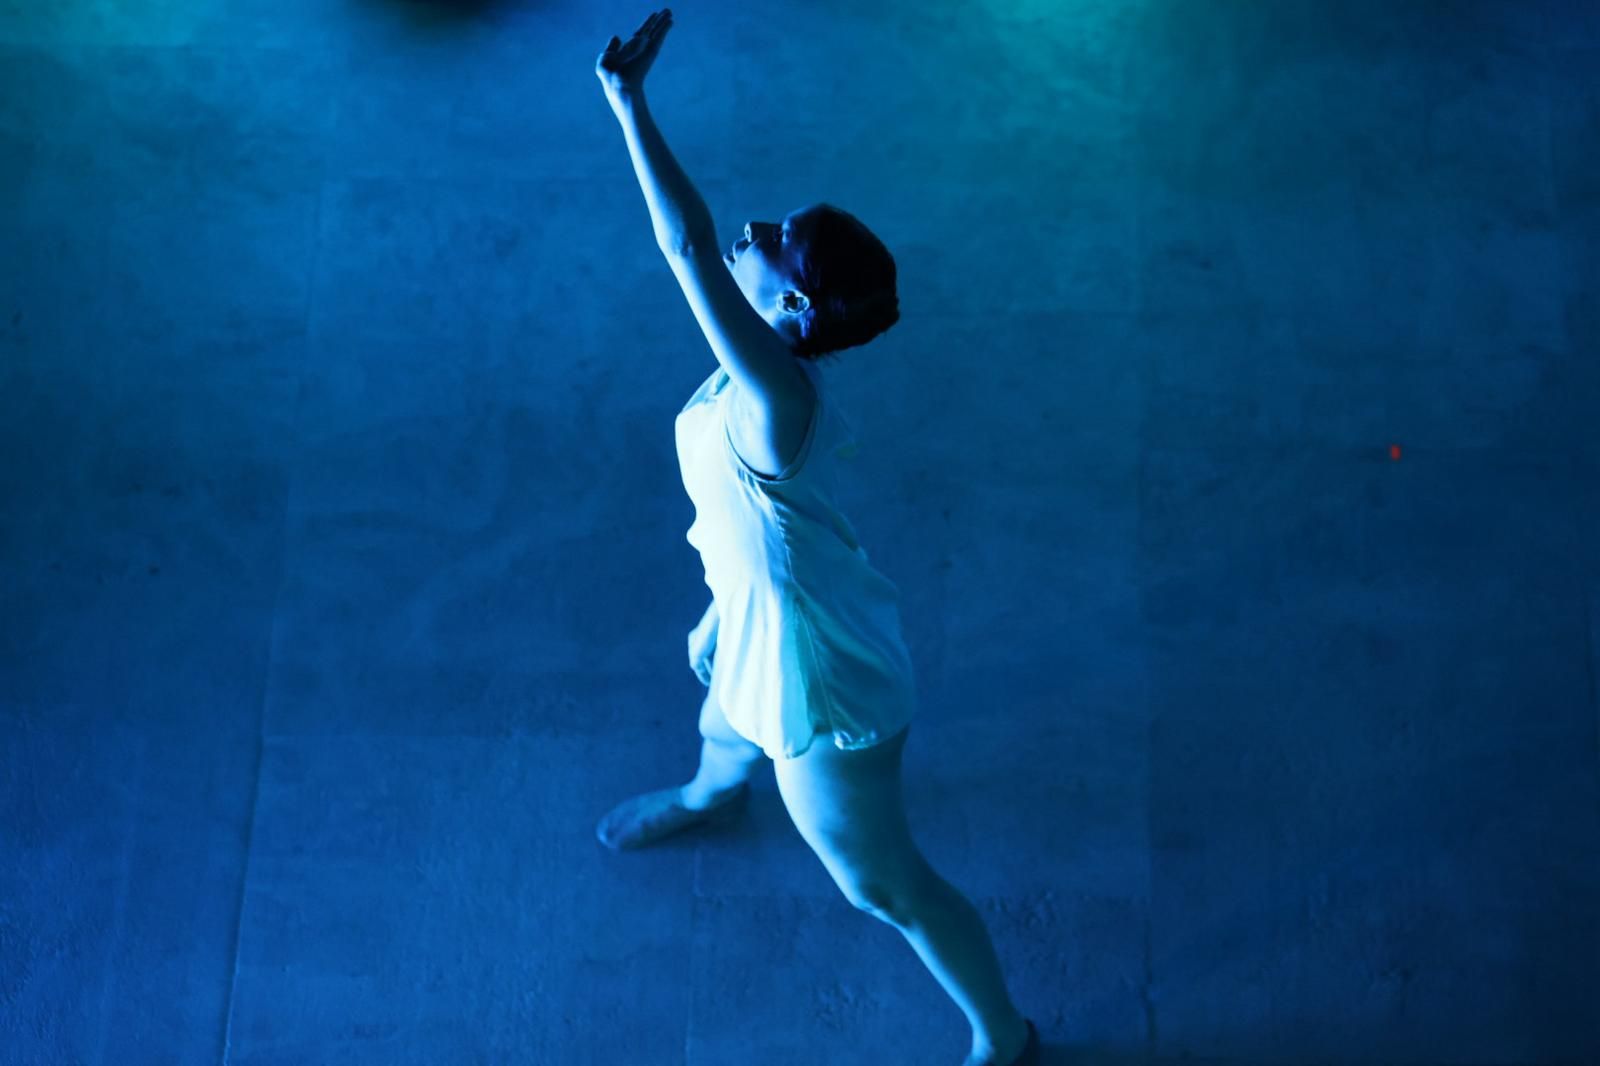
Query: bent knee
[897,902]
[875,900]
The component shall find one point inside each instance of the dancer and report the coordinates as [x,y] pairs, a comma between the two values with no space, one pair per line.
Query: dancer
[800,648]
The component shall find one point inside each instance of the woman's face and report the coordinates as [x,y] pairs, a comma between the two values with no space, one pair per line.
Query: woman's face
[763,262]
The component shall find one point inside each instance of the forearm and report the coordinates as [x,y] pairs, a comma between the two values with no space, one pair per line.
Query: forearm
[678,213]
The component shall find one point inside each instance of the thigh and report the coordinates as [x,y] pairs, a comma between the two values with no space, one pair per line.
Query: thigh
[847,806]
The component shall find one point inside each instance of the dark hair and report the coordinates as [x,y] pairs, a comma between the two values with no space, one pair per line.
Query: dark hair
[849,277]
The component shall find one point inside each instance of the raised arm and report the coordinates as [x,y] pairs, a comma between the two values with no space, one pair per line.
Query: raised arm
[677,213]
[749,349]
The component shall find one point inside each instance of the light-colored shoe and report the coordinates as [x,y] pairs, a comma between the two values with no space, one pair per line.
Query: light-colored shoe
[643,820]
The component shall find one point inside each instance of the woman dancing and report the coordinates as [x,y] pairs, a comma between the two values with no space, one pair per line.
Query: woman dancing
[802,638]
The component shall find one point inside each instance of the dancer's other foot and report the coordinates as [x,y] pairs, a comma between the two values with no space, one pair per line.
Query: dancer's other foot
[643,820]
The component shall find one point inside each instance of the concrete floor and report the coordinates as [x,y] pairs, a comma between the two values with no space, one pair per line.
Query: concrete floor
[1234,455]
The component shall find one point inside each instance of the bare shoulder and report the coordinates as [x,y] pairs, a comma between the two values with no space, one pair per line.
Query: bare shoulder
[800,398]
[789,399]
[771,424]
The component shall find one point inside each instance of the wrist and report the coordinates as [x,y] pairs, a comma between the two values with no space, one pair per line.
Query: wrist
[625,98]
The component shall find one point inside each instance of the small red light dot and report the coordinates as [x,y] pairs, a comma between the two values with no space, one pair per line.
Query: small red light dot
[1394,451]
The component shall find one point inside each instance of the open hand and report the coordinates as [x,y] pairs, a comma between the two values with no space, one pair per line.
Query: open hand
[622,67]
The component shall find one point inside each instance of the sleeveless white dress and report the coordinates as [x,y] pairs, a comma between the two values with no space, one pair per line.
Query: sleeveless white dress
[809,637]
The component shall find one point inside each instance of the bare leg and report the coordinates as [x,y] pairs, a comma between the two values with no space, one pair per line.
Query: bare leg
[847,806]
[727,760]
[723,769]
[947,933]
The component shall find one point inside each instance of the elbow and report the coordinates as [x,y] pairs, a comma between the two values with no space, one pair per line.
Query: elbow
[687,243]
[676,248]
